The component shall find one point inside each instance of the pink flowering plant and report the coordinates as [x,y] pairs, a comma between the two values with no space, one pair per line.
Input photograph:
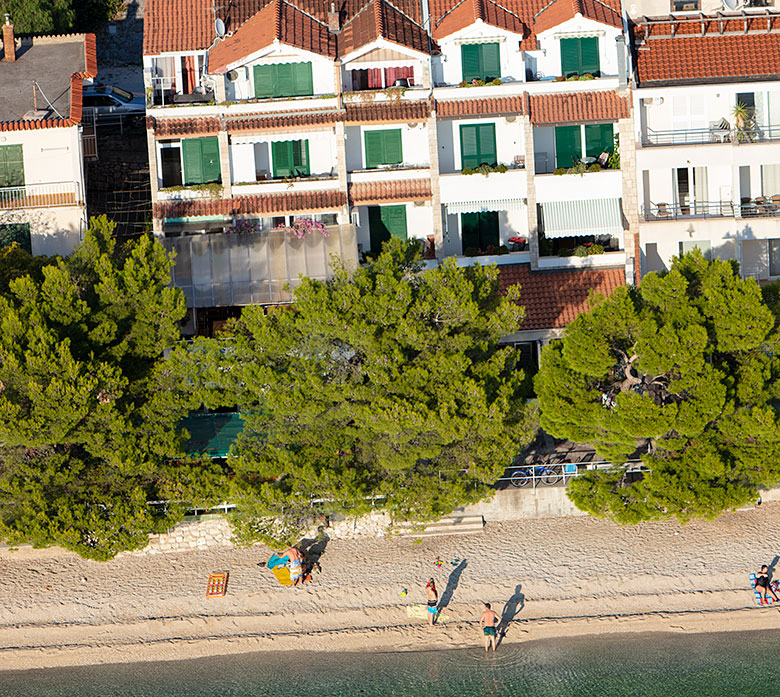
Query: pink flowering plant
[303,227]
[244,226]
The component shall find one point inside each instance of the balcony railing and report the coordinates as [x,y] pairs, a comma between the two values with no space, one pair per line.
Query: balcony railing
[713,134]
[761,206]
[40,196]
[164,93]
[699,209]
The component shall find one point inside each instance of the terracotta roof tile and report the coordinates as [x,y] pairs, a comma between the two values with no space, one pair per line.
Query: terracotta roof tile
[479,107]
[558,11]
[463,14]
[383,192]
[282,120]
[90,56]
[552,299]
[169,128]
[379,18]
[279,20]
[265,204]
[418,110]
[578,107]
[177,25]
[737,54]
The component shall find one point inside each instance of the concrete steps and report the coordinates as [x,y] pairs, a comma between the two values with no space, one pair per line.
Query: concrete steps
[449,525]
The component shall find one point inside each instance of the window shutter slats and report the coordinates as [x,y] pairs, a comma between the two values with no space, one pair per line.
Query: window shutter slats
[568,146]
[393,151]
[193,161]
[589,52]
[570,57]
[487,144]
[210,155]
[374,149]
[598,139]
[394,219]
[383,148]
[491,64]
[470,57]
[302,78]
[265,79]
[282,158]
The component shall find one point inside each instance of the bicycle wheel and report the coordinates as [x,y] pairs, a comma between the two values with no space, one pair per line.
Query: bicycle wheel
[520,478]
[551,475]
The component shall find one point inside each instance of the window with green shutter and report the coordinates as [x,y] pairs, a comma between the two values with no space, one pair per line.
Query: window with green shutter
[598,139]
[18,233]
[478,145]
[283,80]
[383,148]
[479,230]
[568,146]
[385,222]
[11,165]
[290,158]
[201,160]
[480,62]
[580,56]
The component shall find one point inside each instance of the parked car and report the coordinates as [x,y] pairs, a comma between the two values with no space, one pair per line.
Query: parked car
[113,100]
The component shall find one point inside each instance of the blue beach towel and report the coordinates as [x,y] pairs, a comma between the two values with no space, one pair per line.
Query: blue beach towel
[757,594]
[276,560]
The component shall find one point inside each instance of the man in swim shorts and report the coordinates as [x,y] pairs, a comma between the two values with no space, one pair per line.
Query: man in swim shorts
[488,622]
[295,564]
[433,600]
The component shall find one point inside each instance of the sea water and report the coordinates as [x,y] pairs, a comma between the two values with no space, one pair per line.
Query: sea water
[743,664]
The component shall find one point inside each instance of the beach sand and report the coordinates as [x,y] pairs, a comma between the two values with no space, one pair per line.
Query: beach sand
[555,577]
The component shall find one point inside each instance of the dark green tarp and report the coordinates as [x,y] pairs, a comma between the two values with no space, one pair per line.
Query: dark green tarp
[212,434]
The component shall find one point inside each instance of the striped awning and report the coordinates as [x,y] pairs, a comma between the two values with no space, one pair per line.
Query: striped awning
[598,216]
[501,204]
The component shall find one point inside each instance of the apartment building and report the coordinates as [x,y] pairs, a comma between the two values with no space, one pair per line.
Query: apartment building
[492,131]
[42,197]
[707,119]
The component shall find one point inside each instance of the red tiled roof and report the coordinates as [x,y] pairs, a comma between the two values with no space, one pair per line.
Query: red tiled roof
[177,25]
[558,11]
[466,12]
[379,19]
[578,107]
[267,204]
[670,52]
[552,299]
[479,107]
[418,110]
[282,120]
[383,192]
[168,128]
[90,56]
[279,20]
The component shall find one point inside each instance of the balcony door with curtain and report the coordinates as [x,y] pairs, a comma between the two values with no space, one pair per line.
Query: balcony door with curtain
[690,187]
[689,119]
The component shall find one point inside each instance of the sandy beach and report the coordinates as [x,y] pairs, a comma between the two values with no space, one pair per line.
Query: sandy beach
[553,578]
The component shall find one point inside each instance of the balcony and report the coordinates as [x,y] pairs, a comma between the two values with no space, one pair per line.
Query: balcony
[222,270]
[458,188]
[164,93]
[697,209]
[280,186]
[389,173]
[52,195]
[571,187]
[716,133]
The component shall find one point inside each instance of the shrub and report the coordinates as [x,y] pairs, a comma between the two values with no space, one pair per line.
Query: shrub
[471,252]
[503,249]
[579,168]
[560,78]
[495,81]
[595,167]
[586,76]
[571,78]
[565,252]
[595,249]
[580,251]
[464,84]
[559,171]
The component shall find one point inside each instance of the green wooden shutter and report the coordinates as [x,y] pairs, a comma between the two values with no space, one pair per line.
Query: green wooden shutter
[193,161]
[377,230]
[469,146]
[469,231]
[487,144]
[589,55]
[14,165]
[265,79]
[568,145]
[392,146]
[374,149]
[300,158]
[394,219]
[210,155]
[491,63]
[488,229]
[598,139]
[303,83]
[471,62]
[281,153]
[285,80]
[570,57]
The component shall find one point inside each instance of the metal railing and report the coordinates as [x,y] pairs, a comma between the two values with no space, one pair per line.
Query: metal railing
[697,209]
[760,207]
[40,196]
[713,134]
[164,92]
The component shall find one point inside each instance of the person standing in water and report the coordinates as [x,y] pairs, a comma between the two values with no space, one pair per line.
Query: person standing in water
[488,622]
[433,600]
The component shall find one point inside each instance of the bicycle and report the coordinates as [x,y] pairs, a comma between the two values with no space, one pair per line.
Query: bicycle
[546,474]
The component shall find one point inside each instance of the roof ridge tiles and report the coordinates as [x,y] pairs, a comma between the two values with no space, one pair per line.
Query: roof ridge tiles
[278,19]
[478,10]
[379,18]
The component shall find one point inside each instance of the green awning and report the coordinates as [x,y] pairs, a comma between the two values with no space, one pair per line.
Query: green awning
[212,434]
[598,216]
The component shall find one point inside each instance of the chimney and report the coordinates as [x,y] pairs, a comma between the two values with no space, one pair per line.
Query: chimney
[621,61]
[334,20]
[9,45]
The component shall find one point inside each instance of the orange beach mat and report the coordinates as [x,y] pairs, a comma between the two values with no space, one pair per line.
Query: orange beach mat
[217,585]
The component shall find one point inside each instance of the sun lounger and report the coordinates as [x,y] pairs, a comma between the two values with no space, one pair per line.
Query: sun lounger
[217,585]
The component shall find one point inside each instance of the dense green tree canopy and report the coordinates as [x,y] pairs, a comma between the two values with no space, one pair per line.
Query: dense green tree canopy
[57,16]
[386,384]
[87,435]
[682,369]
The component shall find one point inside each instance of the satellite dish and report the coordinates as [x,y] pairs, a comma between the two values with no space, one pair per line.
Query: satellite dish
[731,4]
[219,27]
[232,75]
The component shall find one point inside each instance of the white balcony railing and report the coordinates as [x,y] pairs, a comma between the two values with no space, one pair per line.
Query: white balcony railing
[457,187]
[572,187]
[41,196]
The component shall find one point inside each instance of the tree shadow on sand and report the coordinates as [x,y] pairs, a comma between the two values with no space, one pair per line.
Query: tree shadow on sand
[511,609]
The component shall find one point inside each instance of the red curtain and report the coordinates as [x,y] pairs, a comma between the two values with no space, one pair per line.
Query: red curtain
[189,75]
[375,79]
[393,74]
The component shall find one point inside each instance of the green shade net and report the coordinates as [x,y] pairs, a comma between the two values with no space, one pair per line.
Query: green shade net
[212,434]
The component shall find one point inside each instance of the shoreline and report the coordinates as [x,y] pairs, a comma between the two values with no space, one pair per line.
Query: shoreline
[549,578]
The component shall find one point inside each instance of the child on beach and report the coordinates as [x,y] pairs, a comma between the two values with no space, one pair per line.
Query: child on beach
[433,600]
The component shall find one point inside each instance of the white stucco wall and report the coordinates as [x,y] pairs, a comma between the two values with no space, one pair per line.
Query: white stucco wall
[50,154]
[53,231]
[509,141]
[419,223]
[414,143]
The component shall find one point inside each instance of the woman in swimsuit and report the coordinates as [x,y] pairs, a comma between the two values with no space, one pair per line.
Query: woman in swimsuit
[433,600]
[762,583]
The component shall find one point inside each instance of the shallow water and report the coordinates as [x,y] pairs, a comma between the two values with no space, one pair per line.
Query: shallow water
[740,664]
